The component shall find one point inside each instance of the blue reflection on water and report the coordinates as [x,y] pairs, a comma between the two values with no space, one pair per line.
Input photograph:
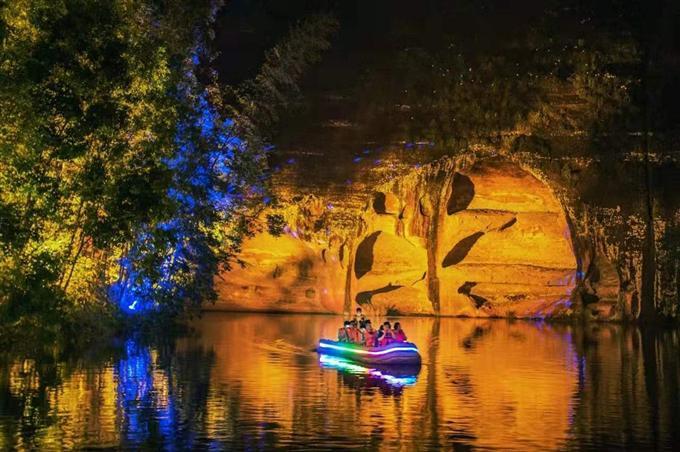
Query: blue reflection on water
[143,412]
[135,380]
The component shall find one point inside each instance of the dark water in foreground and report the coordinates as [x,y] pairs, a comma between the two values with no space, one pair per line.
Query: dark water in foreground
[251,381]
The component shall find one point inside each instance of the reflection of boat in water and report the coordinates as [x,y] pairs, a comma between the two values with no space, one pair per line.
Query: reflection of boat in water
[394,376]
[396,353]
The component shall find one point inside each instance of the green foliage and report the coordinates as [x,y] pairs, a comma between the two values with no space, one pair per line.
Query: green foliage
[541,85]
[89,115]
[257,104]
[585,89]
[173,263]
[275,224]
[457,100]
[93,94]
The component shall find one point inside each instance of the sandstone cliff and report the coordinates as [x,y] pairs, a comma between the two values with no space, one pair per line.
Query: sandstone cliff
[510,233]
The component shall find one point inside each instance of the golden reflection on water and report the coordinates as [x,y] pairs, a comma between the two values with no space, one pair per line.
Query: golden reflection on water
[481,380]
[253,381]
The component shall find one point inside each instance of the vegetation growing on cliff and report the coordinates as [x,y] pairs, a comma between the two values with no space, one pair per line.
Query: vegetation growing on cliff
[538,86]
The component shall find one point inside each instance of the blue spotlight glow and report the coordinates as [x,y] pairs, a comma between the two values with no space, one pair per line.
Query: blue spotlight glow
[174,259]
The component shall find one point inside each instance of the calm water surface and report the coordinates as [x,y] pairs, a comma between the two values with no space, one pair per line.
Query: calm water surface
[253,382]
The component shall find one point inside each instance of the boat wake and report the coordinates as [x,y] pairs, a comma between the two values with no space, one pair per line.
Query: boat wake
[283,348]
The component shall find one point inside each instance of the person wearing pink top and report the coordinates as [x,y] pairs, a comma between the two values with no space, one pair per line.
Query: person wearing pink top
[387,335]
[399,335]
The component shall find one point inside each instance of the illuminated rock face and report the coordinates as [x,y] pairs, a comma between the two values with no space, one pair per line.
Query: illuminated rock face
[284,274]
[508,252]
[490,240]
[486,239]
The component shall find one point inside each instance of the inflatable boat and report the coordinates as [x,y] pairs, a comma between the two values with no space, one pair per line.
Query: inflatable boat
[396,353]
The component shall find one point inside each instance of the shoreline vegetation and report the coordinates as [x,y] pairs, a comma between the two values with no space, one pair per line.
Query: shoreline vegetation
[129,174]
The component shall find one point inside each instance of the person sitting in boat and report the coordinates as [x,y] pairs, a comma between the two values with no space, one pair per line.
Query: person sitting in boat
[370,335]
[343,335]
[359,316]
[399,335]
[387,336]
[354,333]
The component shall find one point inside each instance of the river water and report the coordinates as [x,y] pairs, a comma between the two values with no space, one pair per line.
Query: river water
[252,381]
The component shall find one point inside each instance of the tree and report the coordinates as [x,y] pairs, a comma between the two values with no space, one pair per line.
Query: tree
[219,180]
[89,113]
[117,163]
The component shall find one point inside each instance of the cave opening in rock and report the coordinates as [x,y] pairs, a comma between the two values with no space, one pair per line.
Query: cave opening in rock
[363,262]
[379,199]
[505,246]
[462,193]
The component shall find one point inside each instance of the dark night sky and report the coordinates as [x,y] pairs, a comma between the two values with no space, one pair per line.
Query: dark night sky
[373,31]
[369,27]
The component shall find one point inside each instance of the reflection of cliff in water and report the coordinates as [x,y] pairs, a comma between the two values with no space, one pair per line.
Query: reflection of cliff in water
[639,404]
[254,381]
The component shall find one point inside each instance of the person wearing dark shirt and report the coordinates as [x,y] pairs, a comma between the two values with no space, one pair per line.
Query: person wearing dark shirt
[359,316]
[399,335]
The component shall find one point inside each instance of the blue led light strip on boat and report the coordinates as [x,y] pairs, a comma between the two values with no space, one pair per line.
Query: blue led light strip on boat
[369,352]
